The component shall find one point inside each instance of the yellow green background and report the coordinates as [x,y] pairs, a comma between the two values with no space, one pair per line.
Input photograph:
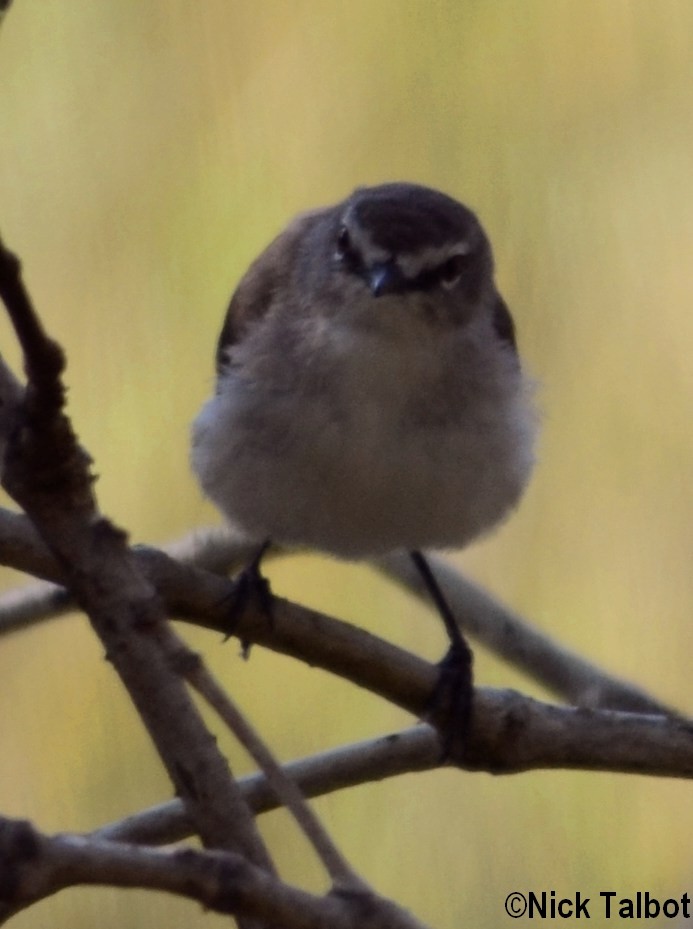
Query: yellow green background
[147,152]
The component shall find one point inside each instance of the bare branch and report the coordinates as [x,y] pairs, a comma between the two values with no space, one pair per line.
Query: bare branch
[22,607]
[494,625]
[512,638]
[35,866]
[47,473]
[11,395]
[542,737]
[284,787]
[415,749]
[389,671]
[22,548]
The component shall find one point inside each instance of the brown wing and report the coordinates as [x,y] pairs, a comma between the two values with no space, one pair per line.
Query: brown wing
[263,285]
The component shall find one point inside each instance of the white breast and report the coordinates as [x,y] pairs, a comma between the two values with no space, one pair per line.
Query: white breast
[362,443]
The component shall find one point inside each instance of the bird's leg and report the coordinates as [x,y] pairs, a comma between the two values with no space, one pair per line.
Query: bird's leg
[250,585]
[452,699]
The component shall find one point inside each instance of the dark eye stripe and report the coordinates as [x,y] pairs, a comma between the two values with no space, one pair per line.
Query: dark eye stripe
[453,267]
[445,273]
[347,255]
[344,245]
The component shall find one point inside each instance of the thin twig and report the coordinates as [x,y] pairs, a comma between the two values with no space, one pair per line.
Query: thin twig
[47,473]
[494,625]
[521,644]
[333,645]
[412,750]
[544,737]
[35,866]
[283,785]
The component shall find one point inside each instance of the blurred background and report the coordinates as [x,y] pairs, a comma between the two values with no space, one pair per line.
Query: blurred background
[147,153]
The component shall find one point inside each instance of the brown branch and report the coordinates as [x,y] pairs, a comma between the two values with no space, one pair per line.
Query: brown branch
[284,787]
[405,679]
[22,548]
[491,623]
[408,681]
[516,641]
[34,866]
[47,473]
[542,737]
[415,749]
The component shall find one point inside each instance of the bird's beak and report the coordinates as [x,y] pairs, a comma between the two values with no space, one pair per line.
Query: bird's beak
[384,278]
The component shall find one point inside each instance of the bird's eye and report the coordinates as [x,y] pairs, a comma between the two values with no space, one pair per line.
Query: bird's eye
[344,246]
[451,270]
[346,254]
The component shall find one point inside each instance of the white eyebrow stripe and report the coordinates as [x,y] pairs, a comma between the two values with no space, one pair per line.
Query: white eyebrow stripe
[363,243]
[413,263]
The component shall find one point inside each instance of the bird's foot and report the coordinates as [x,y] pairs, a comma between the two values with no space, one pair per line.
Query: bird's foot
[451,703]
[251,588]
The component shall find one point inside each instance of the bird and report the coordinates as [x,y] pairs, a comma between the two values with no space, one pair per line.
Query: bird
[369,392]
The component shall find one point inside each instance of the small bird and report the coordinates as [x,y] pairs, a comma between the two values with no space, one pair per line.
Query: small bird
[369,394]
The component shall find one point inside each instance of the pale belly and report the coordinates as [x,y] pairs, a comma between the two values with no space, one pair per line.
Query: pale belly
[361,481]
